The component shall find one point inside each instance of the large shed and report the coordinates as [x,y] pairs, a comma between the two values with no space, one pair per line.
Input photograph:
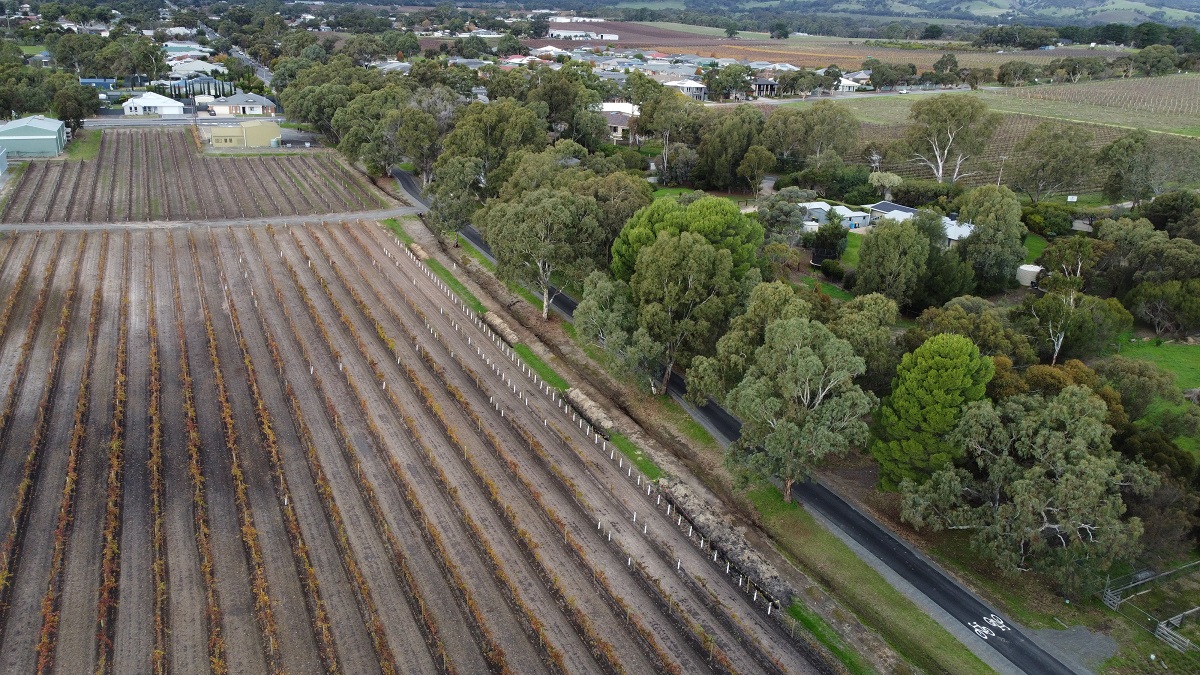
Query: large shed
[248,134]
[36,136]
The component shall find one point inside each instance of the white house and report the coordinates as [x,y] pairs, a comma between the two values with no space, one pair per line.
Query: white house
[692,88]
[845,85]
[548,50]
[851,219]
[243,104]
[151,103]
[956,231]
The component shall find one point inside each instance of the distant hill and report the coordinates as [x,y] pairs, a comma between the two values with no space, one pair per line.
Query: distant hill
[987,11]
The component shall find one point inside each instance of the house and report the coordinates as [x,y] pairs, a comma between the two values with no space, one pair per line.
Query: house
[549,50]
[764,87]
[851,219]
[243,104]
[100,83]
[248,134]
[890,210]
[189,68]
[36,136]
[845,85]
[956,231]
[40,60]
[618,124]
[861,77]
[692,88]
[151,103]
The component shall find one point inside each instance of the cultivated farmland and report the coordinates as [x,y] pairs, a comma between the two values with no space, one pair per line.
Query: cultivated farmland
[289,449]
[157,175]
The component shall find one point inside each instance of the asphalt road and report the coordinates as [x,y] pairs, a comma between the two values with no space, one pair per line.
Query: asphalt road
[987,625]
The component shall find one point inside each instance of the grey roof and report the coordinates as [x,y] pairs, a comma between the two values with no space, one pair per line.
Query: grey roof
[888,207]
[245,99]
[36,122]
[612,75]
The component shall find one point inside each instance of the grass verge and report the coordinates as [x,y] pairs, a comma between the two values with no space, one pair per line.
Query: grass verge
[635,455]
[85,144]
[491,267]
[859,587]
[456,285]
[398,230]
[854,242]
[825,634]
[539,366]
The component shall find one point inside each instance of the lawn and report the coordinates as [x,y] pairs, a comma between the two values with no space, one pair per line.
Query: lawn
[85,144]
[1034,245]
[850,255]
[1181,359]
[835,292]
[825,557]
[30,50]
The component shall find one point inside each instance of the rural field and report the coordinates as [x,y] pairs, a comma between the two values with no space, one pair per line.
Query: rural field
[801,50]
[271,449]
[153,175]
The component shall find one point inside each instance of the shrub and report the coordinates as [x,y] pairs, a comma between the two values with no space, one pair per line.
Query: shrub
[833,269]
[862,194]
[1048,219]
[917,193]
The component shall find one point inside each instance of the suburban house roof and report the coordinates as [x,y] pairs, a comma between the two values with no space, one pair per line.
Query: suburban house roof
[244,99]
[887,207]
[956,230]
[38,122]
[686,84]
[152,99]
[617,119]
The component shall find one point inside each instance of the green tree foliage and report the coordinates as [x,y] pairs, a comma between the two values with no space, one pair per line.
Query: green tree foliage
[571,96]
[755,165]
[1157,60]
[798,402]
[714,376]
[980,321]
[1141,383]
[490,132]
[1075,258]
[797,133]
[946,275]
[717,220]
[994,248]
[932,385]
[509,45]
[1041,489]
[1142,165]
[727,136]
[456,194]
[542,234]
[868,323]
[73,103]
[684,292]
[1054,157]
[1067,321]
[947,131]
[781,214]
[1016,73]
[892,261]
[1170,306]
[885,182]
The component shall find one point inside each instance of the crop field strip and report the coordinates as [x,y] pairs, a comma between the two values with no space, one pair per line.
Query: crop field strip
[287,450]
[157,175]
[999,150]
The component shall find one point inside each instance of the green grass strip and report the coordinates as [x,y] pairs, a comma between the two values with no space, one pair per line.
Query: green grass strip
[635,455]
[908,629]
[456,285]
[825,634]
[398,230]
[540,367]
[85,144]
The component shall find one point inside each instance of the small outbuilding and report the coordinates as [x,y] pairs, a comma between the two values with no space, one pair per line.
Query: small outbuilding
[243,104]
[36,136]
[1028,274]
[151,103]
[248,134]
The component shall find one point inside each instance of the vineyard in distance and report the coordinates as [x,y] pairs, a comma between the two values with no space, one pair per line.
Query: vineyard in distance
[157,175]
[290,449]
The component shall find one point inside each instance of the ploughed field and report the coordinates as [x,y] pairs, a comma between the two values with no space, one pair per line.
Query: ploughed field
[157,175]
[288,449]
